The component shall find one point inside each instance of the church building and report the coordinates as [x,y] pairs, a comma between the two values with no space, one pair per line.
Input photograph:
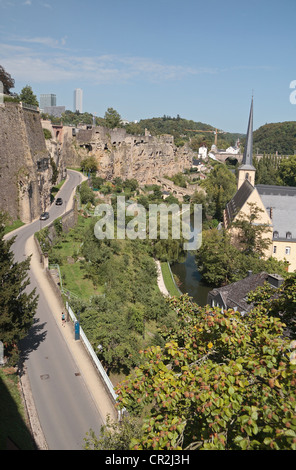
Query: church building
[278,205]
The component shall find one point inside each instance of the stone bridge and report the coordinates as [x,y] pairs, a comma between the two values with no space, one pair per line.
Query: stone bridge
[224,157]
[177,191]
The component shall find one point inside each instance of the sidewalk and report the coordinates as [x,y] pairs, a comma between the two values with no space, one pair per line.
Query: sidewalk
[160,281]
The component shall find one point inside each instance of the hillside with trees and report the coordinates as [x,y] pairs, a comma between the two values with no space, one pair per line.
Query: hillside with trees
[222,381]
[275,170]
[275,137]
[18,306]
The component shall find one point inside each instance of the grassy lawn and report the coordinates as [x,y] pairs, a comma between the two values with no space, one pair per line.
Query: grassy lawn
[75,280]
[9,227]
[169,283]
[13,421]
[74,274]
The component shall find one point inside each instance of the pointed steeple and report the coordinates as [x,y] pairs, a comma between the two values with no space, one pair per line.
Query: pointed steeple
[247,171]
[248,152]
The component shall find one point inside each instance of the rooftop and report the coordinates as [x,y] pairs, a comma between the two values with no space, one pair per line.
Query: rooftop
[280,203]
[238,200]
[235,295]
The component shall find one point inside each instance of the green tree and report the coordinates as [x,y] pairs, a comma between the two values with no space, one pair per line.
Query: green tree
[178,179]
[266,170]
[118,184]
[168,250]
[276,137]
[131,299]
[27,96]
[220,382]
[130,185]
[253,235]
[220,187]
[55,171]
[17,305]
[96,181]
[114,435]
[218,261]
[89,164]
[287,171]
[281,304]
[7,81]
[112,118]
[47,134]
[86,193]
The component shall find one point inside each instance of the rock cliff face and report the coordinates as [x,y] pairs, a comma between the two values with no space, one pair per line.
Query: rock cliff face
[25,167]
[127,156]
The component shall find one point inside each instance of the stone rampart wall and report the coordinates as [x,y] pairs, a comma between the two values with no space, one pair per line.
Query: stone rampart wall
[25,170]
[143,157]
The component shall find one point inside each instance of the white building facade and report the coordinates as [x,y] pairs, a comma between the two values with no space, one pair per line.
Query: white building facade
[78,95]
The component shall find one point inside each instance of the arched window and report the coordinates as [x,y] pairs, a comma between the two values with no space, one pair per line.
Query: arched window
[289,235]
[275,234]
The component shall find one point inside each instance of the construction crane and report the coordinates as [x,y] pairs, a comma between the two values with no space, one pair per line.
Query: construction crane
[216,132]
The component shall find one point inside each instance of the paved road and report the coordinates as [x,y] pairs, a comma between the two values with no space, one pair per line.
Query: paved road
[64,405]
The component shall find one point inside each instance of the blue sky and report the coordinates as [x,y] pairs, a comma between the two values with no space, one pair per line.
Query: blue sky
[201,59]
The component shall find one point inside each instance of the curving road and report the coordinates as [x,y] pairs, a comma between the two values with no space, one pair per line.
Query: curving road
[65,407]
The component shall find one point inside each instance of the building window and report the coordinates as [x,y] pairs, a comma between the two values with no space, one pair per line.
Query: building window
[275,234]
[288,250]
[274,249]
[289,235]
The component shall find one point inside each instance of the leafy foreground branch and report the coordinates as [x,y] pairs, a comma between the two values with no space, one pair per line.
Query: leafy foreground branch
[222,381]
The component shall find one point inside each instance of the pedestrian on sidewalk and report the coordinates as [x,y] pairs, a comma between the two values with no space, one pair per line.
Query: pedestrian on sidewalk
[63,319]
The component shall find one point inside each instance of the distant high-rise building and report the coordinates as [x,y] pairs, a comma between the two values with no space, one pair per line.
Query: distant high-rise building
[55,111]
[47,101]
[78,100]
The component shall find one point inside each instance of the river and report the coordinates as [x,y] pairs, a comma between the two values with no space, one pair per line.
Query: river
[190,279]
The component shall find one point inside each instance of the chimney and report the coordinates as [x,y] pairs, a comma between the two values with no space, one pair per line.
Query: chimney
[275,280]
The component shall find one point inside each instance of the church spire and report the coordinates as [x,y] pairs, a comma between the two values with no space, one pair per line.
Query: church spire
[248,152]
[247,171]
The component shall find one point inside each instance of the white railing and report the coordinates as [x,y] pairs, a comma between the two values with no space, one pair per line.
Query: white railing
[93,355]
[31,107]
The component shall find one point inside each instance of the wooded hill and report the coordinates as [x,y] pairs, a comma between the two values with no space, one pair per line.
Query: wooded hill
[271,138]
[275,137]
[184,130]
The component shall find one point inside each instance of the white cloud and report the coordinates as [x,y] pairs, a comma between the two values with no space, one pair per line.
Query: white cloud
[46,41]
[52,62]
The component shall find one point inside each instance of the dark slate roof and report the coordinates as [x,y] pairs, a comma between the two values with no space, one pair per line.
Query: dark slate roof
[269,189]
[238,200]
[234,295]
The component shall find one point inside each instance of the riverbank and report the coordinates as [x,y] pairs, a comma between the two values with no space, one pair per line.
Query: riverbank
[191,280]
